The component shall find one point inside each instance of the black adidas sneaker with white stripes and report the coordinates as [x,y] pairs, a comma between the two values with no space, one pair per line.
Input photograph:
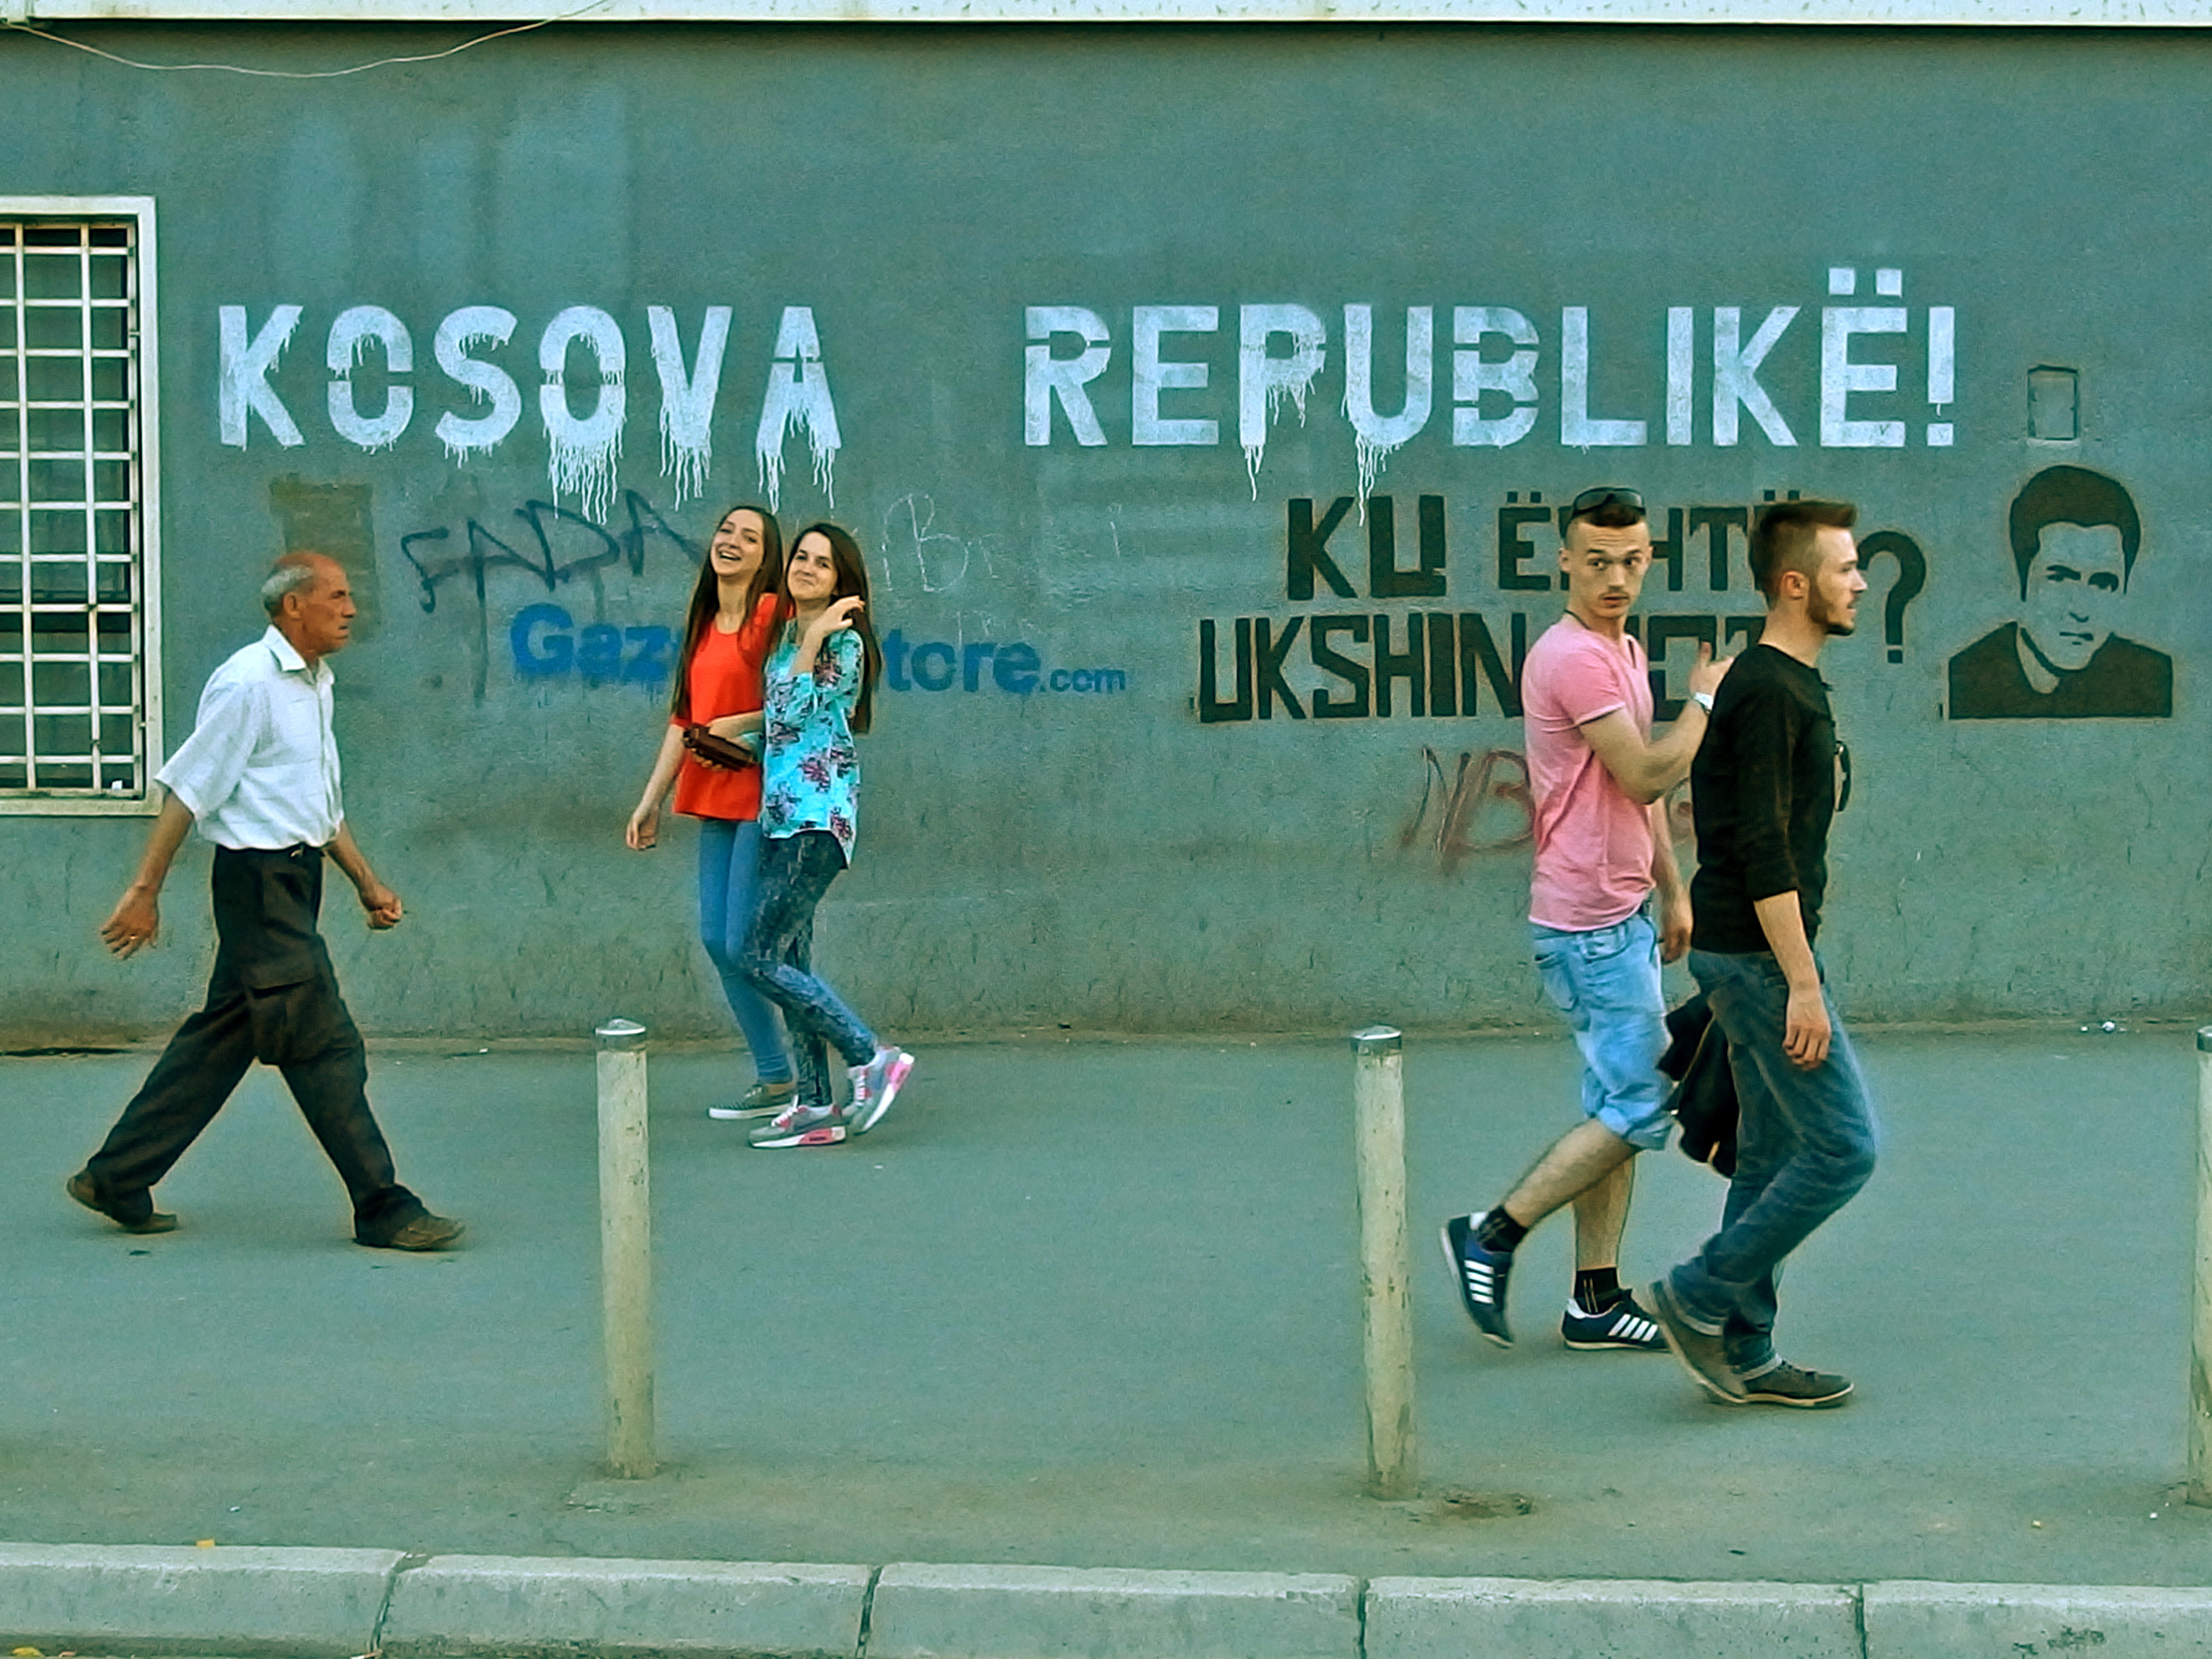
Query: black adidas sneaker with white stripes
[1481,1275]
[1623,1325]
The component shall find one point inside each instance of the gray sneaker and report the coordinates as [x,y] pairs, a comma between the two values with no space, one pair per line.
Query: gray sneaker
[800,1126]
[876,1084]
[762,1100]
[1785,1384]
[1703,1354]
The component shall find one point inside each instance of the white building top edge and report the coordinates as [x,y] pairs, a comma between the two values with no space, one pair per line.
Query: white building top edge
[2079,13]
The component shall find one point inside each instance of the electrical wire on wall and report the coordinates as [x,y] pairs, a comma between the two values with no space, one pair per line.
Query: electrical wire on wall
[303,75]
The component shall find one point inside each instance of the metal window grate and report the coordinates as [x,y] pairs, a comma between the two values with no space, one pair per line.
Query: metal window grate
[72,621]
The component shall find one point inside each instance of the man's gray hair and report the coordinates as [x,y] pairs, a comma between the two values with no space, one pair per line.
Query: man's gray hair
[292,573]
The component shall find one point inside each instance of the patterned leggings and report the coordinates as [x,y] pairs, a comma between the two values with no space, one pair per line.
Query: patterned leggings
[795,872]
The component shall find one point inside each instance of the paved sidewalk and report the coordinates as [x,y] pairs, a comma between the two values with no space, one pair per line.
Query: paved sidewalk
[338,1604]
[1093,1303]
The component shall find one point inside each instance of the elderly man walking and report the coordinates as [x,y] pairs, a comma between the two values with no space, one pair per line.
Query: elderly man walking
[259,775]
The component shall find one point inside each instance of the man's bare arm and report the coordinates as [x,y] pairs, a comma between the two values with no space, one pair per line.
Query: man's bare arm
[1648,768]
[137,918]
[380,901]
[1805,1030]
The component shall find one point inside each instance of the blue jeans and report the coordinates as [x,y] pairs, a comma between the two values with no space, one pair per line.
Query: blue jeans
[1605,981]
[795,872]
[1805,1144]
[729,866]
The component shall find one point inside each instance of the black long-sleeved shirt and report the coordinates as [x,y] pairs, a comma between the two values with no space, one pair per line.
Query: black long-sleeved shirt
[1763,788]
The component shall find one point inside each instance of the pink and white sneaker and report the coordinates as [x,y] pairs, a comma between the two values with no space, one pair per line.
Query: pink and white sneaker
[876,1084]
[800,1124]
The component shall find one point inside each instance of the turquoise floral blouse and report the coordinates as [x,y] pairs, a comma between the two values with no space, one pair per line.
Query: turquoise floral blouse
[810,777]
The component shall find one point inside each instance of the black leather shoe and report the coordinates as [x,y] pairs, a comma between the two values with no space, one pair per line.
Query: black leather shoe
[80,1188]
[421,1231]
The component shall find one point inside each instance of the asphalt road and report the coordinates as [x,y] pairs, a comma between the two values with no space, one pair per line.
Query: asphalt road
[1093,1303]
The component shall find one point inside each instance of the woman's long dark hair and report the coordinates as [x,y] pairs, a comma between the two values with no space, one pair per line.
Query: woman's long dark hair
[852,579]
[707,600]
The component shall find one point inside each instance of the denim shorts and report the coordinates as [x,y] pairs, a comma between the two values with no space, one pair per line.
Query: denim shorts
[1605,981]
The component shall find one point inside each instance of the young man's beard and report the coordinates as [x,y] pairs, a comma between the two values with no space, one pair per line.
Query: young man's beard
[1823,615]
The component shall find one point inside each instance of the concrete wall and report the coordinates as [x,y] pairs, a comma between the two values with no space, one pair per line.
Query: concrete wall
[1617,208]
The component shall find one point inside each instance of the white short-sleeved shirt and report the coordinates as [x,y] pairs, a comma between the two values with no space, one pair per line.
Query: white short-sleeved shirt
[261,767]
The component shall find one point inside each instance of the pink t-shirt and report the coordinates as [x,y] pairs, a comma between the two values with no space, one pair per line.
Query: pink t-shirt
[1594,846]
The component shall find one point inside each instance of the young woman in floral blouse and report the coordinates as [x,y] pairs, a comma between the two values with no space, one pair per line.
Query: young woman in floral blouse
[819,686]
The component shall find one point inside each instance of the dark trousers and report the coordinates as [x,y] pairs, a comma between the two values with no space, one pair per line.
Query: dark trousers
[274,997]
[795,872]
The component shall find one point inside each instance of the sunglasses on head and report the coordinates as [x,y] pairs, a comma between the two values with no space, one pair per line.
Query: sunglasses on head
[1593,500]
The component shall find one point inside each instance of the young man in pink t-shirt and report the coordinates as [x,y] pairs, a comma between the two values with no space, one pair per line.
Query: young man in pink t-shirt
[1605,863]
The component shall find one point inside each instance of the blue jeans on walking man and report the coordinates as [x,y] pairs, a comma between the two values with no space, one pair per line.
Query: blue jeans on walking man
[1605,982]
[1805,1144]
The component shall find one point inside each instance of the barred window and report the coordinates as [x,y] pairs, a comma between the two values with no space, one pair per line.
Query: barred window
[79,685]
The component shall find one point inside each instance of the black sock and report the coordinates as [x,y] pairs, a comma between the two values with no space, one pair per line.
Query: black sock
[1597,1289]
[1498,1231]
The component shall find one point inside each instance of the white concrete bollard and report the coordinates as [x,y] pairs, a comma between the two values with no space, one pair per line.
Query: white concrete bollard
[626,1248]
[2200,1348]
[1385,1308]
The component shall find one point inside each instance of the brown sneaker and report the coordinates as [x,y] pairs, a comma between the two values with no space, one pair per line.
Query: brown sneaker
[424,1231]
[1785,1384]
[1702,1353]
[80,1188]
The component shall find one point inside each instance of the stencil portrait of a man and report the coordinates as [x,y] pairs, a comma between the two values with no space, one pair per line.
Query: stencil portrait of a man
[2075,537]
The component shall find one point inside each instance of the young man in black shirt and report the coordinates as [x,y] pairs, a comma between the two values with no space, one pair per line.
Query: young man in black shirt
[1764,788]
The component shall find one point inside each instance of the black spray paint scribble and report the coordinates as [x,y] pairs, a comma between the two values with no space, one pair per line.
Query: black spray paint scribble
[555,545]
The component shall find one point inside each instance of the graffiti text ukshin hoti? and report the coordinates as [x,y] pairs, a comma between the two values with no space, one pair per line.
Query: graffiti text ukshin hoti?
[1428,661]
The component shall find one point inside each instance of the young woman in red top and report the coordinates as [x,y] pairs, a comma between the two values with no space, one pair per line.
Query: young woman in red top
[727,638]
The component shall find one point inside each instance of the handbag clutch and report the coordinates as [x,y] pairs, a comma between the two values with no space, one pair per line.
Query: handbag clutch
[718,751]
